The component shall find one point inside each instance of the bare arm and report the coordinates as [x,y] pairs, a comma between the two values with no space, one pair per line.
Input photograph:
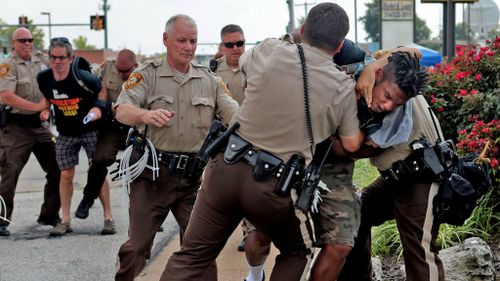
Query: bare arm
[11,99]
[132,115]
[352,143]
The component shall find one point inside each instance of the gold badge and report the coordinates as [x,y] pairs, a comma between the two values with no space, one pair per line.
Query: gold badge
[4,69]
[134,80]
[224,86]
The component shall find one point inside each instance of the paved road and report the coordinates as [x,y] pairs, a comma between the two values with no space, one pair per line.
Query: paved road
[85,255]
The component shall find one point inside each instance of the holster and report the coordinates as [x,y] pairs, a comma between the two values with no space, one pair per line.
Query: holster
[236,149]
[220,142]
[309,184]
[4,115]
[265,166]
[291,175]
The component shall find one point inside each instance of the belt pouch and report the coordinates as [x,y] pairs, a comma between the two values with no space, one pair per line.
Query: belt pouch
[265,165]
[236,149]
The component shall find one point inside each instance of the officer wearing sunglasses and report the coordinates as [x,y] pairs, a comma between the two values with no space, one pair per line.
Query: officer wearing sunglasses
[24,132]
[232,47]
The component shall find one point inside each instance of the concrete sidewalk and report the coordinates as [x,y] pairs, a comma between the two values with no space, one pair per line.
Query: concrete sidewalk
[231,264]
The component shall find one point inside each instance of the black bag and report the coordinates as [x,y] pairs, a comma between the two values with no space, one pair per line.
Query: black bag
[458,194]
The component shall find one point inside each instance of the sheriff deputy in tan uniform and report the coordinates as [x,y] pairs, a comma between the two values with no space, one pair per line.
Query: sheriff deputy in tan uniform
[273,133]
[111,138]
[177,100]
[24,132]
[232,47]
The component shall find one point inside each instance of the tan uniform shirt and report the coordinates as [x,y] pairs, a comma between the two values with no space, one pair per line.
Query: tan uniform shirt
[19,76]
[111,79]
[422,128]
[233,78]
[273,114]
[195,101]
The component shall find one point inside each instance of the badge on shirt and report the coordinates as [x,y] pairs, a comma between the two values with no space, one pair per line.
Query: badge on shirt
[4,69]
[134,80]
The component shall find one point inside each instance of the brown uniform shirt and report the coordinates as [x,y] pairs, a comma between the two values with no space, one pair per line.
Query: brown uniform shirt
[422,128]
[195,100]
[233,78]
[19,76]
[272,116]
[111,79]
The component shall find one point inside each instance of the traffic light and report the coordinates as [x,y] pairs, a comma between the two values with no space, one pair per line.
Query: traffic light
[5,53]
[23,20]
[97,22]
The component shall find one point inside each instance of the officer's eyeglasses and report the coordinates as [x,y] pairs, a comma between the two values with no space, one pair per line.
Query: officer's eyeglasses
[238,44]
[24,40]
[60,39]
[61,58]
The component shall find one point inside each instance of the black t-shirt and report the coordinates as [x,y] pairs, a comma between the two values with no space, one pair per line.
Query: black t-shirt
[71,103]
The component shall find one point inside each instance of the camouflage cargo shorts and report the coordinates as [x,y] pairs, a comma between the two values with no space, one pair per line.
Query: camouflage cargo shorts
[340,211]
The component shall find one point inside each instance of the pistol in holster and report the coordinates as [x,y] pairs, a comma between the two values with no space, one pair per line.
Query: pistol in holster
[220,142]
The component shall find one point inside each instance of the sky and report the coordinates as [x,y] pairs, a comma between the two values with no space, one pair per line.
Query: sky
[138,25]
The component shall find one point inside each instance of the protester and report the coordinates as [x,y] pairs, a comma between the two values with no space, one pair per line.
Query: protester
[72,102]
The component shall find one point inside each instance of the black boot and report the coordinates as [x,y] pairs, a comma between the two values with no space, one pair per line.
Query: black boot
[82,211]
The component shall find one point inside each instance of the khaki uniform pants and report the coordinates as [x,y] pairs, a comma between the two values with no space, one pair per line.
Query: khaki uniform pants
[16,144]
[229,193]
[150,203]
[411,206]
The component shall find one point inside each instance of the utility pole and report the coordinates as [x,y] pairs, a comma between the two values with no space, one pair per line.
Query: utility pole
[105,7]
[291,21]
[356,21]
[305,4]
[50,24]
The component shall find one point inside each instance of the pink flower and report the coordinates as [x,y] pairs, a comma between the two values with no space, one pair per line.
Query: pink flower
[494,163]
[433,99]
[439,109]
[460,75]
[478,77]
[473,92]
[462,132]
[485,130]
[488,41]
[477,58]
[463,93]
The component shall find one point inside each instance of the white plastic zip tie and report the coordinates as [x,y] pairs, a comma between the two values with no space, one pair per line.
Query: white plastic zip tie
[2,208]
[128,173]
[320,189]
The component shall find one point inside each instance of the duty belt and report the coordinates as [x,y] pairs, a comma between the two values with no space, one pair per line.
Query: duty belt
[408,169]
[28,120]
[264,164]
[176,161]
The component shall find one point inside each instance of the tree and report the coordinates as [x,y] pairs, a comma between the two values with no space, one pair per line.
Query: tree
[80,43]
[371,23]
[37,33]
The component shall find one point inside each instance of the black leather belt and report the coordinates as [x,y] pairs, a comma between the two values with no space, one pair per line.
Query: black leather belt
[408,169]
[176,161]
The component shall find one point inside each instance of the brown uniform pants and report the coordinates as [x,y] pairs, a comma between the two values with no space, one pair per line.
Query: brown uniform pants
[16,144]
[229,193]
[150,203]
[411,206]
[110,139]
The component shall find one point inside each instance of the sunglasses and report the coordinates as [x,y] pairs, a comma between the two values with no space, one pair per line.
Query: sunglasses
[60,39]
[54,58]
[24,40]
[230,45]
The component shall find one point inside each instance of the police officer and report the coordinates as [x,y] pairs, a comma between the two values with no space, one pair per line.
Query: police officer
[111,137]
[409,202]
[232,46]
[273,133]
[177,101]
[25,133]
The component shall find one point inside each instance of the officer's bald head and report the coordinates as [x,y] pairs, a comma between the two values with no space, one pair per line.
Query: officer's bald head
[125,63]
[21,33]
[326,26]
[187,20]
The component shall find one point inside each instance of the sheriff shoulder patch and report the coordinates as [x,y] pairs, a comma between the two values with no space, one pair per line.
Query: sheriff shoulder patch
[134,80]
[224,86]
[4,69]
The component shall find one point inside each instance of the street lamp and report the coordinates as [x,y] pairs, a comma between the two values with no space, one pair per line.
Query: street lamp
[50,24]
